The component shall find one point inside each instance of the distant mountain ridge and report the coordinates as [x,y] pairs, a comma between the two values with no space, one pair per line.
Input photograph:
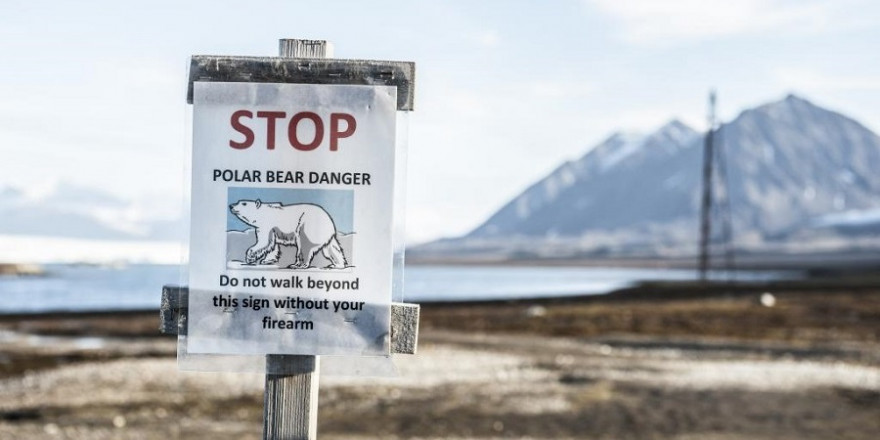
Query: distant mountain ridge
[791,165]
[73,211]
[609,165]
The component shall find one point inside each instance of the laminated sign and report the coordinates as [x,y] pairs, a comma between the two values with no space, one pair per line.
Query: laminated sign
[292,194]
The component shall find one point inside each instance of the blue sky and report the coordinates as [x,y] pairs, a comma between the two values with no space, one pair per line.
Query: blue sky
[92,93]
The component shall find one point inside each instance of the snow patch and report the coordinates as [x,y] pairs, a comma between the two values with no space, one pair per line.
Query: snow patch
[674,181]
[677,132]
[847,176]
[629,144]
[848,218]
[522,207]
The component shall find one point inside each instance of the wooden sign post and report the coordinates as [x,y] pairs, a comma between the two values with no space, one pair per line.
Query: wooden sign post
[291,399]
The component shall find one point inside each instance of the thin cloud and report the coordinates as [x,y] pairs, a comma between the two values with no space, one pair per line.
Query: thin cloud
[805,79]
[664,22]
[560,89]
[488,38]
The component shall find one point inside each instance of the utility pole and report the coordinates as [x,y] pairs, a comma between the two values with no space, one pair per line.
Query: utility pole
[706,206]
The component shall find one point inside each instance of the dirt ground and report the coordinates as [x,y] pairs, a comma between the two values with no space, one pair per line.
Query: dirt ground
[720,367]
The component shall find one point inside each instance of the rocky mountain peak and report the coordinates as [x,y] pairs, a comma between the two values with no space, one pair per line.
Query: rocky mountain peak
[788,163]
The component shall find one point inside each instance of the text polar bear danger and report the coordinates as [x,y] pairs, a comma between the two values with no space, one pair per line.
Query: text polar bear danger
[306,226]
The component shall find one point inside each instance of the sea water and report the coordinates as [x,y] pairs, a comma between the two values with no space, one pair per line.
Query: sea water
[138,286]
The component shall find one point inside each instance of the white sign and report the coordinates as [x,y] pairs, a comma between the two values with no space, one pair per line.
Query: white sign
[292,203]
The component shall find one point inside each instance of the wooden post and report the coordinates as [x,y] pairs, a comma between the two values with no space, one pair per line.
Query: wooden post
[290,403]
[291,397]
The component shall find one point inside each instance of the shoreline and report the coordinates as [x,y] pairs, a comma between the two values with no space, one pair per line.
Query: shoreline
[649,290]
[799,311]
[21,270]
[819,263]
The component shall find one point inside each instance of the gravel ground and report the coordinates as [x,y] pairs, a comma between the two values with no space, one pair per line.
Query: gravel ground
[693,367]
[460,386]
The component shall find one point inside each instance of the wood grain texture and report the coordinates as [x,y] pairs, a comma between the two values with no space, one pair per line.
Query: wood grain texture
[290,409]
[296,48]
[404,328]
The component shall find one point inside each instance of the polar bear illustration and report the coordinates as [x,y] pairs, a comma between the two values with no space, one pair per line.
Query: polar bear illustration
[304,225]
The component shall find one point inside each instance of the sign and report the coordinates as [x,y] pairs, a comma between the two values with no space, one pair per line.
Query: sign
[292,204]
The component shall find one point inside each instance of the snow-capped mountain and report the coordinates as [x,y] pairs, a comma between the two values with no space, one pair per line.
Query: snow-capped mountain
[792,162]
[794,170]
[597,190]
[73,211]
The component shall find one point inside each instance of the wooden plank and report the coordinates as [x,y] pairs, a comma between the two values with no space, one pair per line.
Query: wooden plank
[290,408]
[170,310]
[305,71]
[404,319]
[404,328]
